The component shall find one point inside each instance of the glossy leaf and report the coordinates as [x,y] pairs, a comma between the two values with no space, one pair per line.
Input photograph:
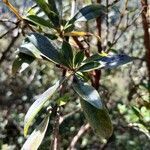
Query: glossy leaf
[78,58]
[21,63]
[35,139]
[38,104]
[67,53]
[89,66]
[89,12]
[111,61]
[40,21]
[50,13]
[45,47]
[87,92]
[29,49]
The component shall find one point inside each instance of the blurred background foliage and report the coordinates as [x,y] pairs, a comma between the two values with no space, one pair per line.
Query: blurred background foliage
[125,90]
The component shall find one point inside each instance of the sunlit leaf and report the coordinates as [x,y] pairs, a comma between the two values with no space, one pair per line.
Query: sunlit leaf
[38,104]
[45,47]
[87,92]
[29,49]
[89,12]
[77,33]
[35,139]
[63,100]
[110,61]
[21,63]
[89,66]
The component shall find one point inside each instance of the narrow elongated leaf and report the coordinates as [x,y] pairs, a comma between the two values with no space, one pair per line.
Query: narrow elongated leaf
[78,58]
[67,53]
[38,104]
[35,139]
[21,63]
[53,7]
[111,61]
[50,13]
[40,21]
[45,47]
[87,92]
[77,33]
[89,12]
[89,66]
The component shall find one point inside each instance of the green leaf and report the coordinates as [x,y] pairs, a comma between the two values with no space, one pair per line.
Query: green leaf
[89,12]
[50,13]
[89,67]
[63,100]
[52,5]
[78,58]
[39,103]
[35,139]
[45,47]
[29,49]
[111,61]
[67,53]
[21,63]
[40,21]
[98,119]
[51,36]
[87,92]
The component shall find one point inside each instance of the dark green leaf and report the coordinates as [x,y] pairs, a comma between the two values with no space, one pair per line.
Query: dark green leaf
[52,5]
[87,92]
[89,66]
[79,58]
[46,48]
[98,119]
[40,21]
[67,53]
[39,103]
[50,13]
[51,36]
[89,12]
[94,57]
[35,139]
[21,63]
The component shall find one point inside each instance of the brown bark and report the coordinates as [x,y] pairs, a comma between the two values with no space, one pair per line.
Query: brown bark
[145,23]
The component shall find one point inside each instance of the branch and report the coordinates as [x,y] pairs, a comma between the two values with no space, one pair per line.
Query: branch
[130,24]
[145,23]
[82,130]
[13,9]
[4,54]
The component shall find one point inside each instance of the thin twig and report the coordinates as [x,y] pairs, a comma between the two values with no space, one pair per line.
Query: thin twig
[4,54]
[13,9]
[82,130]
[68,115]
[131,23]
[120,20]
